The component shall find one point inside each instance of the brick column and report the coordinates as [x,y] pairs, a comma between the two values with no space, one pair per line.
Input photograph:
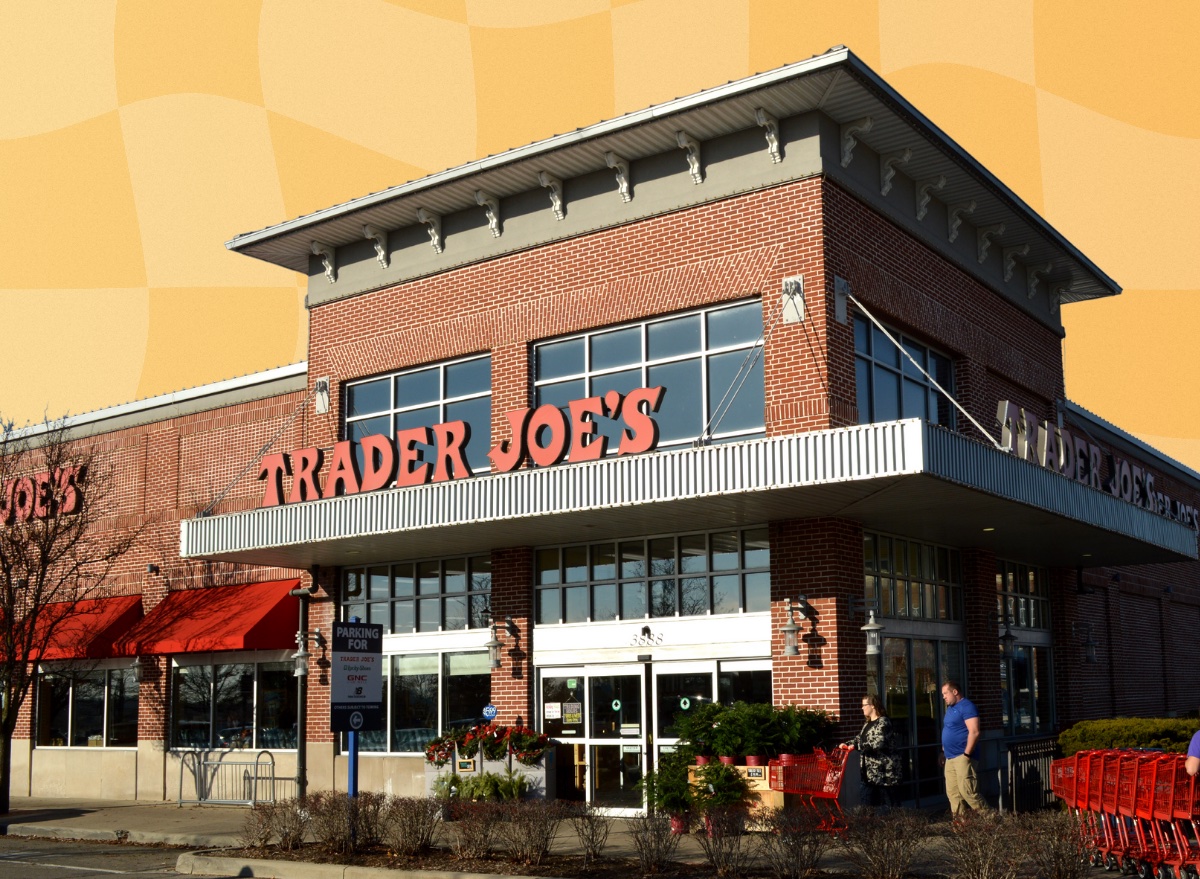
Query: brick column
[512,592]
[820,559]
[980,629]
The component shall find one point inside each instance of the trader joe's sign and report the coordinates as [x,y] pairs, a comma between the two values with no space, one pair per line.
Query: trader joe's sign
[544,436]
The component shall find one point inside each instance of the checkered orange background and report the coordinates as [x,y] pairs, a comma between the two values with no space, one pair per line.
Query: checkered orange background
[137,136]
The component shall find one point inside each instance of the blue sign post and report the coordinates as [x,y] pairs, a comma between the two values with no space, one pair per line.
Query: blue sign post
[356,691]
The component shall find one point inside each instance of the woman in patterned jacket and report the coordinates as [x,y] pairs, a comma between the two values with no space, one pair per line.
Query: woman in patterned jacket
[879,763]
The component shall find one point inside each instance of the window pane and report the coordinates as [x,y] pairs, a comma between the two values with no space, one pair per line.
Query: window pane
[604,601]
[53,709]
[915,399]
[414,686]
[547,567]
[758,548]
[725,593]
[681,414]
[662,556]
[402,581]
[549,606]
[561,393]
[862,383]
[917,352]
[455,613]
[744,686]
[428,580]
[575,604]
[671,338]
[455,571]
[191,699]
[622,383]
[862,336]
[633,559]
[87,716]
[469,377]
[758,592]
[468,688]
[368,397]
[420,418]
[618,348]
[276,705]
[481,574]
[404,617]
[724,550]
[663,600]
[693,553]
[735,400]
[415,388]
[477,414]
[480,610]
[575,567]
[379,614]
[123,707]
[882,349]
[732,326]
[633,601]
[558,359]
[233,705]
[887,395]
[604,561]
[378,586]
[694,600]
[428,612]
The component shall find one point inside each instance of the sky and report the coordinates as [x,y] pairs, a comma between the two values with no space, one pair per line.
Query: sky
[137,137]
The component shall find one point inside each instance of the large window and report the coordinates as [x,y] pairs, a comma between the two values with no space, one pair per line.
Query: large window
[890,387]
[436,595]
[912,579]
[719,572]
[234,705]
[1025,688]
[709,361]
[1022,595]
[80,709]
[459,390]
[428,693]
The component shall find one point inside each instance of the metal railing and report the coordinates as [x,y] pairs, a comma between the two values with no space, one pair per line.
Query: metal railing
[221,777]
[1027,787]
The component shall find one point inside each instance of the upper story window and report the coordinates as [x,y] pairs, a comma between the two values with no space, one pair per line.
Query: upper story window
[709,361]
[457,390]
[720,572]
[912,579]
[1023,592]
[436,595]
[890,387]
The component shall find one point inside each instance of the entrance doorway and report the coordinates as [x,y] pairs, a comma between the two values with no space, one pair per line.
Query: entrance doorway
[613,720]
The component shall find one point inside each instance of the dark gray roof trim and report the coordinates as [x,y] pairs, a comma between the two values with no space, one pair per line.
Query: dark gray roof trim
[837,83]
[1111,435]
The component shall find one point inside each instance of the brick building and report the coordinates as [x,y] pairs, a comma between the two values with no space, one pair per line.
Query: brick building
[778,344]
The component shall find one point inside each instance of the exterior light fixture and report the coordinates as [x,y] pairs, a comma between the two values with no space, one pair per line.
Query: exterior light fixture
[1008,640]
[874,633]
[791,629]
[1085,641]
[137,668]
[494,644]
[300,657]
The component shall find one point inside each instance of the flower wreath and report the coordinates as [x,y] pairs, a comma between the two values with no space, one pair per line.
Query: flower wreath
[527,745]
[440,751]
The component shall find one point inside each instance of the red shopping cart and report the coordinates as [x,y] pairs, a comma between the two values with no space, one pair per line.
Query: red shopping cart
[816,780]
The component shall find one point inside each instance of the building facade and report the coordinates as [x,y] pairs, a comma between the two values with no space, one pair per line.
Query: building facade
[629,400]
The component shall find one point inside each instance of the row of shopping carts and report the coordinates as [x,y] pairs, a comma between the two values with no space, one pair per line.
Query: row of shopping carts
[815,780]
[1141,808]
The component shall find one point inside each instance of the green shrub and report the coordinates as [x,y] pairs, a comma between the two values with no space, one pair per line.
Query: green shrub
[1169,734]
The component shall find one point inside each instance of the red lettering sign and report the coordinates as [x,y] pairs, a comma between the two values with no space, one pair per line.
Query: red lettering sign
[544,436]
[42,496]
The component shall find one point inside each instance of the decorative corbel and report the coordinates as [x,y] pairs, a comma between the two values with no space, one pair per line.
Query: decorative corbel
[692,146]
[984,236]
[771,126]
[621,168]
[887,168]
[925,194]
[1010,255]
[1057,295]
[849,140]
[1033,274]
[379,238]
[328,259]
[555,185]
[954,216]
[433,225]
[491,207]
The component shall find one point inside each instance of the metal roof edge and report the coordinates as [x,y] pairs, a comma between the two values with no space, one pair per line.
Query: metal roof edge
[1124,437]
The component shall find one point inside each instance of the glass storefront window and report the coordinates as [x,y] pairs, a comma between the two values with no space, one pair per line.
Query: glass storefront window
[720,572]
[911,579]
[233,705]
[890,387]
[435,595]
[86,709]
[709,361]
[1022,595]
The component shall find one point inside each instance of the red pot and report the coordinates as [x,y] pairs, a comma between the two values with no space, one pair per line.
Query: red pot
[679,825]
[728,761]
[788,759]
[754,760]
[703,760]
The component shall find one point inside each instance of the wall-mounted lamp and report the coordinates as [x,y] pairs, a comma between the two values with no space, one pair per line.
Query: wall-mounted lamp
[1085,640]
[152,568]
[791,629]
[1079,584]
[873,629]
[1008,641]
[494,644]
[137,668]
[301,656]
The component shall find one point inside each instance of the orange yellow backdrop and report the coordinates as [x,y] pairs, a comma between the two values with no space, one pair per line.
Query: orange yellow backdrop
[137,136]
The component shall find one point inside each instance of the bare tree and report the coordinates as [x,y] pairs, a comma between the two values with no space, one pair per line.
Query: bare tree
[60,541]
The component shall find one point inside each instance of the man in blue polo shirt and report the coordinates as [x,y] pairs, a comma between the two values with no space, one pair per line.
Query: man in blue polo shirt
[960,748]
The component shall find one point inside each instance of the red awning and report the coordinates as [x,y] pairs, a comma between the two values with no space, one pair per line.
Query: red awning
[87,629]
[253,616]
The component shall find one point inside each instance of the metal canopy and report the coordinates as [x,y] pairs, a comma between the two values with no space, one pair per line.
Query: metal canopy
[903,477]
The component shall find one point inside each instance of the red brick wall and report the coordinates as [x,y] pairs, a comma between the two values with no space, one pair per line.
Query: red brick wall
[512,594]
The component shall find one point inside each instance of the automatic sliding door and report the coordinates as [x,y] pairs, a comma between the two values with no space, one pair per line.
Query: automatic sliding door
[617,732]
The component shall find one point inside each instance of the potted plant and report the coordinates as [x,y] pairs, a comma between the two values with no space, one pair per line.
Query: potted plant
[668,789]
[756,721]
[695,728]
[721,791]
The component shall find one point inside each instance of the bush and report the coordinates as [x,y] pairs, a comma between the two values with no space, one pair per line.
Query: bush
[410,824]
[723,838]
[289,823]
[1169,734]
[654,841]
[984,845]
[592,825]
[475,829]
[793,843]
[1058,843]
[332,817]
[528,829]
[257,828]
[367,811]
[493,786]
[884,846]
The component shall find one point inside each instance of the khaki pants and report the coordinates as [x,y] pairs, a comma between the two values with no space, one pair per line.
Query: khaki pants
[962,785]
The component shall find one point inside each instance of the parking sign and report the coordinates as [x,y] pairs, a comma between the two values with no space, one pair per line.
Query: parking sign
[356,682]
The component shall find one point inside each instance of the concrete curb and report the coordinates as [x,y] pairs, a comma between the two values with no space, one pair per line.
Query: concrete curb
[82,833]
[204,864]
